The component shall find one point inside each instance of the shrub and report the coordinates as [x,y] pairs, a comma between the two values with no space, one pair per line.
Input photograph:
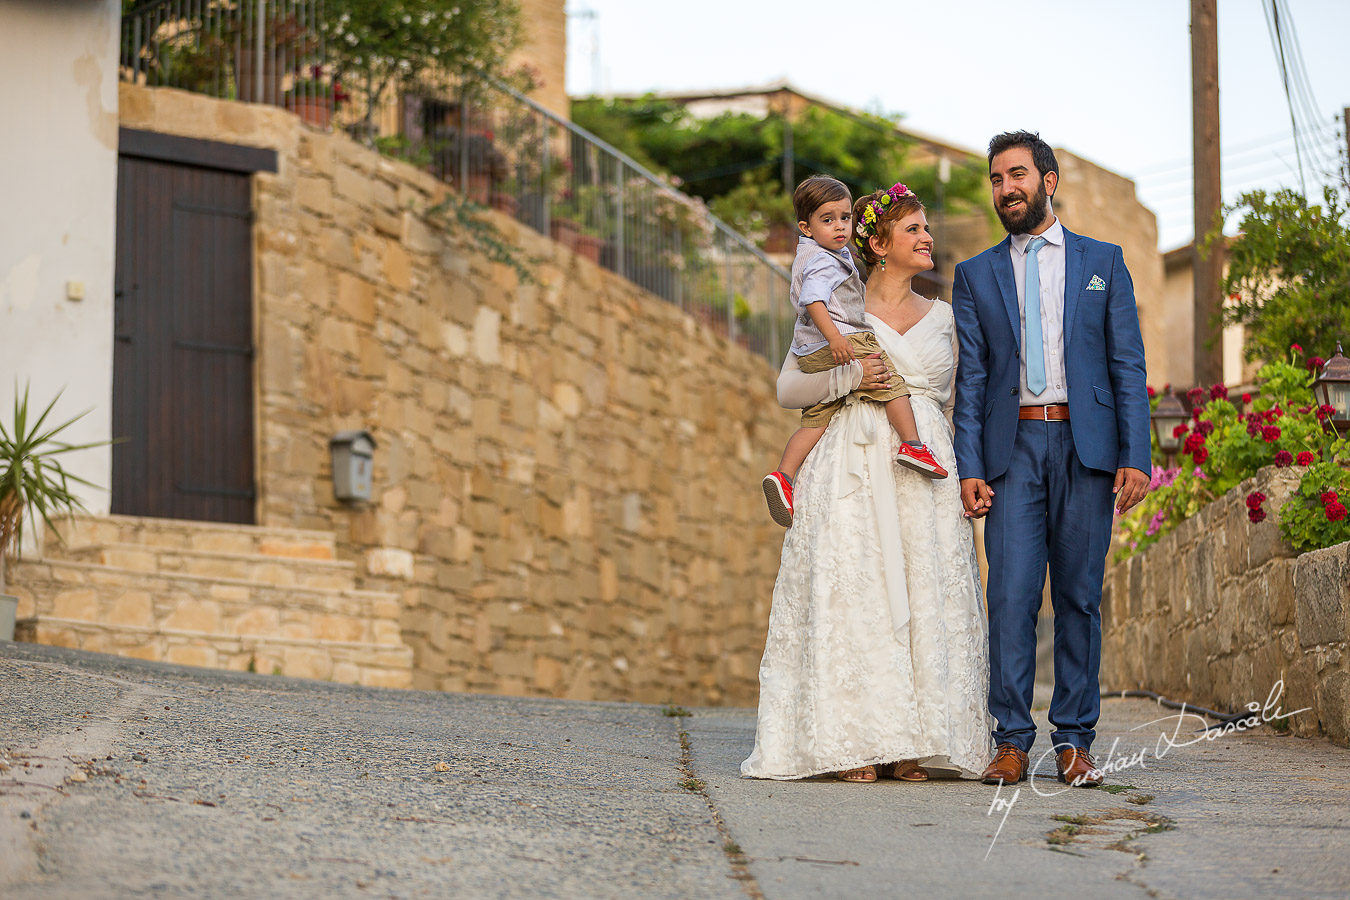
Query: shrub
[1228,442]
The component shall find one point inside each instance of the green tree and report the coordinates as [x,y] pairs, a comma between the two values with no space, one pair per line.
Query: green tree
[429,45]
[734,161]
[1288,275]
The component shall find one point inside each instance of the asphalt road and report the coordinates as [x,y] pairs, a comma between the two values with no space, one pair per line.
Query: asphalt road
[131,779]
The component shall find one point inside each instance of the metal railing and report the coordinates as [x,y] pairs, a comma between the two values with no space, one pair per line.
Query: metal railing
[501,150]
[508,152]
[259,51]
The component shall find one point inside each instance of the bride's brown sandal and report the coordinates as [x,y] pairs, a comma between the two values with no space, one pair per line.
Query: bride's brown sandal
[908,770]
[860,775]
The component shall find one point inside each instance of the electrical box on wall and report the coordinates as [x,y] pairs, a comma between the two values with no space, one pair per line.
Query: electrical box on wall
[353,465]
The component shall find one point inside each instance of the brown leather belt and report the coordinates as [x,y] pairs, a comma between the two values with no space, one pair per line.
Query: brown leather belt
[1059,412]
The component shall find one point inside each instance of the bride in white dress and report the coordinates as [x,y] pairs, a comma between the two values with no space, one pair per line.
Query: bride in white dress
[877,649]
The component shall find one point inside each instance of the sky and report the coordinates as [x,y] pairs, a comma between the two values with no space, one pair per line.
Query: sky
[1109,82]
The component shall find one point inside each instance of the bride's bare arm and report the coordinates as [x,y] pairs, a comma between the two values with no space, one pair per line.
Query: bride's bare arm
[798,390]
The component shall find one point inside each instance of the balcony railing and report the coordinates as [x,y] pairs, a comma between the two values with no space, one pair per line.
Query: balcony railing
[502,150]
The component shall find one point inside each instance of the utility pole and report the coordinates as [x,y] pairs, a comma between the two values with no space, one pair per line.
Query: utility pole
[789,164]
[1347,138]
[1207,269]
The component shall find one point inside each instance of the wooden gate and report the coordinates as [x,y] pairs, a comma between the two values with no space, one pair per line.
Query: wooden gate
[183,329]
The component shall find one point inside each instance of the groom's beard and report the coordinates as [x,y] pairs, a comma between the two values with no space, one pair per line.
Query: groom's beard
[1028,217]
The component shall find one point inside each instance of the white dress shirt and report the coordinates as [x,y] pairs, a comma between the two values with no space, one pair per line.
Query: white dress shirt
[1050,263]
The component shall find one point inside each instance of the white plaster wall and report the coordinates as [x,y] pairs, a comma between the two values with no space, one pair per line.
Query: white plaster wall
[58,192]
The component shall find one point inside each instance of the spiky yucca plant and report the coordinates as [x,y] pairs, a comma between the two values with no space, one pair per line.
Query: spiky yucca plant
[32,482]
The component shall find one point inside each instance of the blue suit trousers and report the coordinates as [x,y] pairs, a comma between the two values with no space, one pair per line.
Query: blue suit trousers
[1048,508]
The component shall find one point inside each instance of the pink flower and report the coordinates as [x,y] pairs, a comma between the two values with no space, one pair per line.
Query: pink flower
[1155,523]
[1255,499]
[1270,434]
[1335,512]
[1305,458]
[1256,515]
[1284,459]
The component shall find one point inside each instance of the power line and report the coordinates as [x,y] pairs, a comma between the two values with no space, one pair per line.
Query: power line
[1235,149]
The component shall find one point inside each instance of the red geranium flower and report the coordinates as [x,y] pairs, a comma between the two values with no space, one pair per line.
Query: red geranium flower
[1296,348]
[1180,430]
[1329,497]
[1255,499]
[1284,459]
[1218,392]
[1197,394]
[1151,392]
[1194,441]
[1306,458]
[1315,363]
[1200,456]
[1256,515]
[1335,512]
[1205,427]
[1253,428]
[1197,413]
[1271,433]
[1246,398]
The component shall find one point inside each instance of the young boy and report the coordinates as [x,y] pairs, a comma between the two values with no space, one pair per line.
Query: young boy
[831,331]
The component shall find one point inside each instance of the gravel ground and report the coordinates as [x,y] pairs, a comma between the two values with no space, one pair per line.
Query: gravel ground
[133,779]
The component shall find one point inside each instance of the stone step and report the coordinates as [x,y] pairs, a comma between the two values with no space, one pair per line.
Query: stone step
[176,601]
[184,534]
[373,665]
[252,567]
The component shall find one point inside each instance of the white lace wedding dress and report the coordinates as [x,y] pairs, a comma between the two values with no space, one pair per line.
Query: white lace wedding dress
[877,648]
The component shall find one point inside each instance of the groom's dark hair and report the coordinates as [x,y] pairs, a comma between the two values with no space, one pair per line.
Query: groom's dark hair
[1041,154]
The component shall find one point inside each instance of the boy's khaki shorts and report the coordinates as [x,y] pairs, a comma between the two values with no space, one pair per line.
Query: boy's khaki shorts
[864,343]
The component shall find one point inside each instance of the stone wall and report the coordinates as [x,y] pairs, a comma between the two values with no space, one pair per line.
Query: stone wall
[1097,202]
[1220,610]
[567,477]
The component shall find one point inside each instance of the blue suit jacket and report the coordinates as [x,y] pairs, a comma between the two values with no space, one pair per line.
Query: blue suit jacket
[1103,360]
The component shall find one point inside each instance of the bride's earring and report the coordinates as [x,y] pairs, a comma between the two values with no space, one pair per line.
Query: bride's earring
[882,262]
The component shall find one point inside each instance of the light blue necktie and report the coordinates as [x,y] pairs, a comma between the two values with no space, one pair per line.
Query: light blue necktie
[1035,348]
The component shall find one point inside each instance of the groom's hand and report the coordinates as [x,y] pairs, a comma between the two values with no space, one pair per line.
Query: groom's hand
[1131,486]
[976,497]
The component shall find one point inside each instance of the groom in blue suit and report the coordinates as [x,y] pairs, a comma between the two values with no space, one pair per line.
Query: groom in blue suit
[1052,433]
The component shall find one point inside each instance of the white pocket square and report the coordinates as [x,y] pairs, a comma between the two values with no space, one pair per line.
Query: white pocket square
[1096,284]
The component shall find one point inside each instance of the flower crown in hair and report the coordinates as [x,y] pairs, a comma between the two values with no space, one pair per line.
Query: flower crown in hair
[867,223]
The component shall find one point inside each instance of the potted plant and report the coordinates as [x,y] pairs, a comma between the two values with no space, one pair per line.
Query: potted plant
[32,483]
[315,97]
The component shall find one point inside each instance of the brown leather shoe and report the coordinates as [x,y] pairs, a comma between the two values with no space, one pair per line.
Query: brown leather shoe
[1076,768]
[1009,766]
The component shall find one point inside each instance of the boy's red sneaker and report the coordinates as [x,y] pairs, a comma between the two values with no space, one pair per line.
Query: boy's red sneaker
[778,491]
[920,460]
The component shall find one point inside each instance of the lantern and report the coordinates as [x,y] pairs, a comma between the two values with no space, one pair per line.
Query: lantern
[1332,388]
[1165,418]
